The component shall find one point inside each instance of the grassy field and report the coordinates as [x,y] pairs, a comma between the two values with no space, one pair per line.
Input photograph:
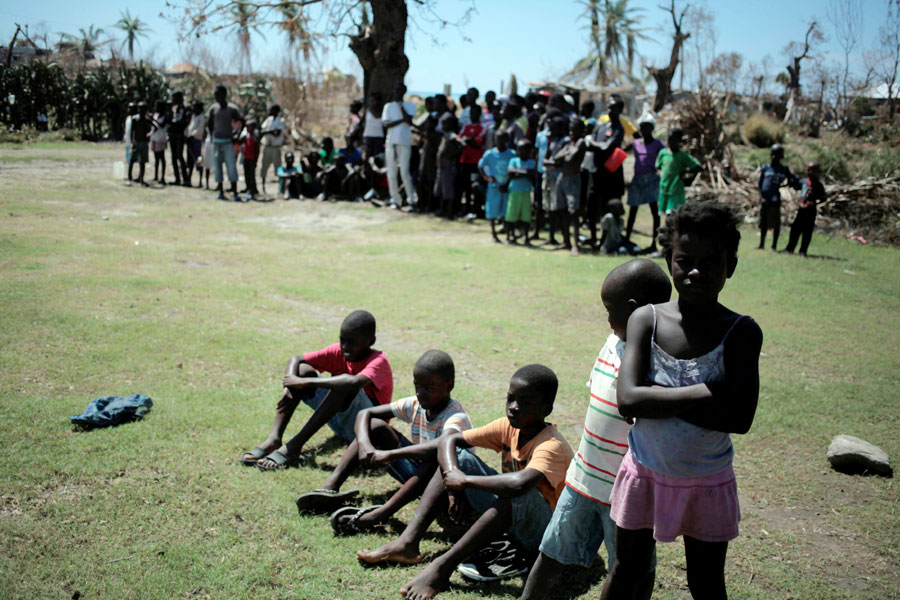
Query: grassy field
[108,290]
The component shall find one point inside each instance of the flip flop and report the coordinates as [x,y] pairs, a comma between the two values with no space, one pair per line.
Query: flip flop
[351,525]
[322,501]
[255,454]
[281,461]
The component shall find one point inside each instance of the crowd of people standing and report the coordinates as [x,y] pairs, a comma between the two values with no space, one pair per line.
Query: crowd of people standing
[537,165]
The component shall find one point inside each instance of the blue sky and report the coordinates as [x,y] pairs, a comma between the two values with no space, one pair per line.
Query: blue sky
[535,39]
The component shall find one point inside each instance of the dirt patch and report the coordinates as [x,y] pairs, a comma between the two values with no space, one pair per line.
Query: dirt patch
[802,537]
[317,217]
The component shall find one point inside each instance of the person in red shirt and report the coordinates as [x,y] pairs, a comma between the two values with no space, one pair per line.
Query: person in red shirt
[473,136]
[360,378]
[250,151]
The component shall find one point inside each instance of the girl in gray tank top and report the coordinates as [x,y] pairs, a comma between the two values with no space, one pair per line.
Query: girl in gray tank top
[689,378]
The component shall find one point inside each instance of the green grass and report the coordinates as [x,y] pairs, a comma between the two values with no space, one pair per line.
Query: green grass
[199,303]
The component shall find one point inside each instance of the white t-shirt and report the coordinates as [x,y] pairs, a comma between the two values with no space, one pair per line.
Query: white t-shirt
[373,127]
[402,133]
[273,124]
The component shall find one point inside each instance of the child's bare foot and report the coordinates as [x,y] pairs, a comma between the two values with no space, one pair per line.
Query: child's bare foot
[395,551]
[574,250]
[425,585]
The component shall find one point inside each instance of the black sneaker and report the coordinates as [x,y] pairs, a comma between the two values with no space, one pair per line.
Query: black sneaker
[498,560]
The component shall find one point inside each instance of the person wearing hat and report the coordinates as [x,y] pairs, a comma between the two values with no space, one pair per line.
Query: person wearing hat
[771,177]
[644,186]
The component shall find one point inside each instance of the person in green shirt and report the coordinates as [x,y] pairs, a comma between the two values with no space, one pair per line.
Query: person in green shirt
[673,164]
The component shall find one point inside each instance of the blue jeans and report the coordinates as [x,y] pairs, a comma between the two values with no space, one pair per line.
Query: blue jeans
[578,526]
[403,469]
[530,511]
[224,150]
[343,423]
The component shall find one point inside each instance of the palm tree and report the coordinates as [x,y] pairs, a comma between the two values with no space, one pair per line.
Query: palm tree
[243,20]
[614,33]
[294,25]
[86,43]
[133,28]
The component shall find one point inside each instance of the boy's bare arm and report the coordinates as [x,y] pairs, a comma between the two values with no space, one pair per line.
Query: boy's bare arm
[504,485]
[363,424]
[339,383]
[426,451]
[735,399]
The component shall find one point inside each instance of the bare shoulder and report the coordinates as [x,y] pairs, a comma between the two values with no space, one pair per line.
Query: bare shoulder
[746,333]
[643,316]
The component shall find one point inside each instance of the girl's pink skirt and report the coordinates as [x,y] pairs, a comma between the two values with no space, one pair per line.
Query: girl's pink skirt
[704,508]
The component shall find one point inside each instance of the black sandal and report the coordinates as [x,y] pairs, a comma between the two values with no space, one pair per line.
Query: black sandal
[282,462]
[323,501]
[352,525]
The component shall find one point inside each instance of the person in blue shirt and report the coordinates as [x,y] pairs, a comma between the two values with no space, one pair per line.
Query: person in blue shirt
[771,177]
[289,178]
[521,172]
[493,167]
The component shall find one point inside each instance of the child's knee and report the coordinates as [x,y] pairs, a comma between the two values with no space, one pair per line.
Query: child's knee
[305,370]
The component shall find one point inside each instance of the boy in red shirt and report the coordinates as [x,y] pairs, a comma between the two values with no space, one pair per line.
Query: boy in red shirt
[361,377]
[473,137]
[250,151]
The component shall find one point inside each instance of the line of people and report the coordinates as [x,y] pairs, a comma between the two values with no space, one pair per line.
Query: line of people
[654,462]
[209,142]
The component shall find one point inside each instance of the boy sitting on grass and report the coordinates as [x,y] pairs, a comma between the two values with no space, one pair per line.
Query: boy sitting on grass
[360,378]
[431,413]
[534,457]
[581,520]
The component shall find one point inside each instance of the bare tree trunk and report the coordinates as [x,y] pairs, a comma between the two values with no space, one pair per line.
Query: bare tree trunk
[379,47]
[663,76]
[794,71]
[12,42]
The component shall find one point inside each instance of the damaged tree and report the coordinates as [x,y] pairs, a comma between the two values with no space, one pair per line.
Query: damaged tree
[376,28]
[379,46]
[813,35]
[663,76]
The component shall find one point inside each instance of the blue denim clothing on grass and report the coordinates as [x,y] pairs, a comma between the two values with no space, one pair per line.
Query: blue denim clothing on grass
[530,511]
[113,410]
[344,422]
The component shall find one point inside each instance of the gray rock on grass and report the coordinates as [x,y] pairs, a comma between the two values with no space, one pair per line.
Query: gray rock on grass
[854,456]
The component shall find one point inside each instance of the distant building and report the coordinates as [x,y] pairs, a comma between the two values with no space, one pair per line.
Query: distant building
[23,53]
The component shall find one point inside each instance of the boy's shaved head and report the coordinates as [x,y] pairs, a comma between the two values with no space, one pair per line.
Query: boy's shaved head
[360,321]
[437,362]
[542,378]
[639,279]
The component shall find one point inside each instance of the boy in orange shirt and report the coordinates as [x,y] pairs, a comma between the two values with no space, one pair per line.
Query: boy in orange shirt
[520,500]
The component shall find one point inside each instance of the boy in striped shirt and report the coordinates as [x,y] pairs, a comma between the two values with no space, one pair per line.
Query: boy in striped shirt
[581,521]
[430,413]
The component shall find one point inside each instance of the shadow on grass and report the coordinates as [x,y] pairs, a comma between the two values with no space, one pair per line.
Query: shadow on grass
[814,256]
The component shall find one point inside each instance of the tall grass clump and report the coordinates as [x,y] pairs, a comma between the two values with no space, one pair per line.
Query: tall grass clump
[763,131]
